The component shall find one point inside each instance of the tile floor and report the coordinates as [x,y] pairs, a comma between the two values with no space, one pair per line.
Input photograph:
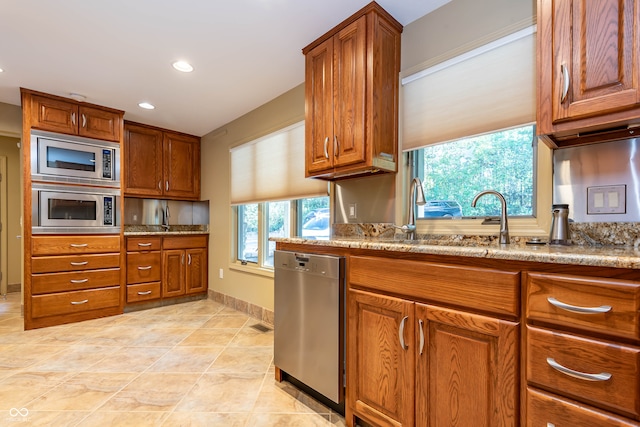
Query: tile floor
[192,364]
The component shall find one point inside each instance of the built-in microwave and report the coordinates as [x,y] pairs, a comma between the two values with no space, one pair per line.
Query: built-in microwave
[74,209]
[66,158]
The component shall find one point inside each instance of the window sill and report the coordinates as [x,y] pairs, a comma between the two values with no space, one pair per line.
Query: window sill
[251,269]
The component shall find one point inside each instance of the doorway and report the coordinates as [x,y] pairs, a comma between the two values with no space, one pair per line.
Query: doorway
[4,275]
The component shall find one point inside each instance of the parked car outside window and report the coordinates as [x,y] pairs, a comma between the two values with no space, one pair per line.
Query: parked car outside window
[317,225]
[442,209]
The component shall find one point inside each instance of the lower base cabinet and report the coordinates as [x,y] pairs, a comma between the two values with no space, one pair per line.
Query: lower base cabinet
[184,266]
[422,365]
[166,267]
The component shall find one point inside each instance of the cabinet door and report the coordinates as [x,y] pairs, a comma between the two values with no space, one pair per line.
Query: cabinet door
[142,161]
[181,166]
[98,123]
[196,274]
[54,115]
[173,271]
[319,108]
[466,370]
[595,68]
[381,371]
[349,81]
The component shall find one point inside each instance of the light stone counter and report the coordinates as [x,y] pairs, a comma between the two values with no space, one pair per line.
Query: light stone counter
[604,256]
[157,230]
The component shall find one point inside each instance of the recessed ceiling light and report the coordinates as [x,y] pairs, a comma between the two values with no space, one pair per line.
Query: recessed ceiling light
[1,70]
[183,66]
[146,106]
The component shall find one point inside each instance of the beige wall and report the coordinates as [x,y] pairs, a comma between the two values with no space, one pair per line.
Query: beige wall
[449,28]
[282,111]
[9,148]
[10,135]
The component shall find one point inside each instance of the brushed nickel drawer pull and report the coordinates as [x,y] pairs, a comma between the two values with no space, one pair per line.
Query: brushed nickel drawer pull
[144,267]
[551,425]
[144,292]
[77,264]
[421,325]
[145,244]
[604,376]
[73,119]
[401,333]
[326,149]
[84,301]
[189,258]
[79,245]
[578,309]
[79,280]
[565,82]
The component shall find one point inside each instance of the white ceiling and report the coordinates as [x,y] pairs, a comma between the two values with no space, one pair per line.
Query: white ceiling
[118,53]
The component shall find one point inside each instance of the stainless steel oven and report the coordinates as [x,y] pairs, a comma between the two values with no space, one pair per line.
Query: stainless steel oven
[65,158]
[74,209]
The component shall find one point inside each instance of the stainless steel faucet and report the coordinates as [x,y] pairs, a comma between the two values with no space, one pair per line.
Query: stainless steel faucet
[504,227]
[165,218]
[414,198]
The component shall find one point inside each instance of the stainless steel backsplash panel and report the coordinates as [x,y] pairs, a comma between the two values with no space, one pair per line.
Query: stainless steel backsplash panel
[149,212]
[373,196]
[610,163]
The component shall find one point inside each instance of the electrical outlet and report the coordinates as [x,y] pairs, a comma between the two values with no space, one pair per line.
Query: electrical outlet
[221,274]
[610,199]
[353,214]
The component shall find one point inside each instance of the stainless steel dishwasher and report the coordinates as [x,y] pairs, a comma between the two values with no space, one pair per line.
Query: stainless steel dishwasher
[309,324]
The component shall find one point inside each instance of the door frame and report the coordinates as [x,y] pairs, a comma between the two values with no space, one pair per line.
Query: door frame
[3,222]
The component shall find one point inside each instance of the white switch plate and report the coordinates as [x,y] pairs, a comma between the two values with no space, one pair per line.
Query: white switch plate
[353,214]
[610,199]
[221,274]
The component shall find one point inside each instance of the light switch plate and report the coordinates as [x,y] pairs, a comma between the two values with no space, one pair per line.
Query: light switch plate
[610,199]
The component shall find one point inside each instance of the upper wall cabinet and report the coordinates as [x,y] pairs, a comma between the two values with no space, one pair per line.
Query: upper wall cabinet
[160,163]
[588,67]
[63,115]
[351,96]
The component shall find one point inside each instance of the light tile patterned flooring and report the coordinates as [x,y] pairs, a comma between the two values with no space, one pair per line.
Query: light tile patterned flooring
[193,364]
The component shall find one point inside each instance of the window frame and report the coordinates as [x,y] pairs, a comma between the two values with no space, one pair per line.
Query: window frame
[537,225]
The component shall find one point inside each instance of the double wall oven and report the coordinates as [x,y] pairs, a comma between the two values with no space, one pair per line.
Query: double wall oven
[75,184]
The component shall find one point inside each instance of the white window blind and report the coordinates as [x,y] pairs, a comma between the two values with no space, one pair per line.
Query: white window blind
[272,168]
[489,88]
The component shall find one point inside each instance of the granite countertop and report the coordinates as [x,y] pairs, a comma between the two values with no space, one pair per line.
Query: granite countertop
[600,256]
[174,230]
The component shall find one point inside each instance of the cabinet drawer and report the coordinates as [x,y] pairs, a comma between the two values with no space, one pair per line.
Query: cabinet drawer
[582,359]
[52,264]
[592,304]
[143,292]
[74,302]
[143,267]
[62,245]
[548,410]
[69,281]
[475,288]
[143,243]
[184,242]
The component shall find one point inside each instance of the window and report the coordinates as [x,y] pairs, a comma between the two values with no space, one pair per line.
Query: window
[453,173]
[270,194]
[258,222]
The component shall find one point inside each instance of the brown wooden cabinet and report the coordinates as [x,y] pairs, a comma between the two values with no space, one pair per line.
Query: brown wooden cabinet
[582,350]
[588,66]
[72,278]
[63,115]
[161,163]
[413,361]
[184,265]
[351,95]
[144,268]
